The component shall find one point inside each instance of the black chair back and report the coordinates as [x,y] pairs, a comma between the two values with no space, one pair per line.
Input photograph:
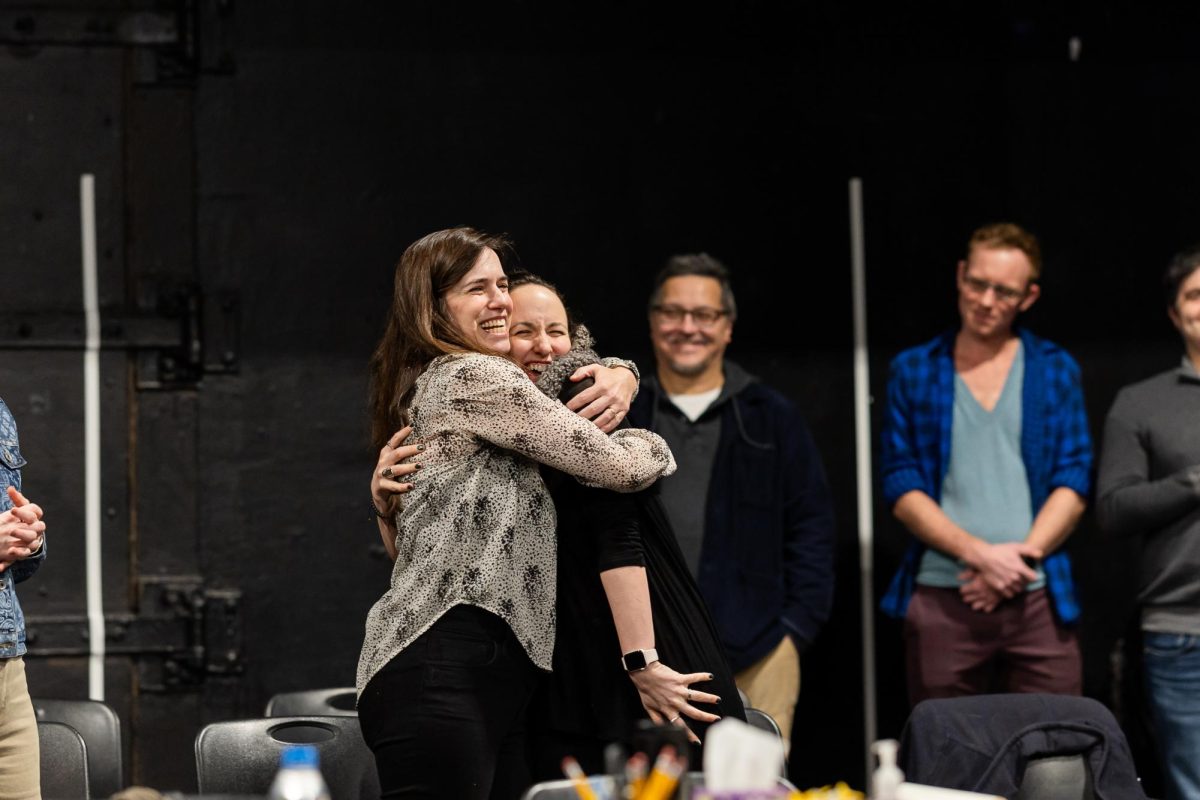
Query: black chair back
[339,702]
[64,762]
[242,756]
[760,719]
[100,728]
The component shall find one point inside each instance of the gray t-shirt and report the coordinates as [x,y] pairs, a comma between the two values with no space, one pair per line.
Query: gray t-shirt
[986,490]
[685,494]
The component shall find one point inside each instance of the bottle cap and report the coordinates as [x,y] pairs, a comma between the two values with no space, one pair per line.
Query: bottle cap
[886,749]
[299,755]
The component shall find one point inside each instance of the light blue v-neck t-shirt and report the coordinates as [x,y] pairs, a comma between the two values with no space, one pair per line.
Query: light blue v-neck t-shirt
[985,491]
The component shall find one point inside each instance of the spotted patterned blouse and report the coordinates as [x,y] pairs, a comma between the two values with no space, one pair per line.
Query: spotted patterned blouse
[478,526]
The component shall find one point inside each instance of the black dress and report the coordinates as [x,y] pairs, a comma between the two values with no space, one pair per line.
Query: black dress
[589,700]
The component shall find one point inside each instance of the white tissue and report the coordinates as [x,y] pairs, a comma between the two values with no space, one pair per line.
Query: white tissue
[917,791]
[738,757]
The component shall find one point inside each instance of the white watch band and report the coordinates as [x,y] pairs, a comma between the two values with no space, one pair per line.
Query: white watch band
[637,660]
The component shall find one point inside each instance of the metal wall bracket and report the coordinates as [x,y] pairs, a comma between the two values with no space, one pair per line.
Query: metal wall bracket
[112,26]
[176,341]
[183,633]
[165,38]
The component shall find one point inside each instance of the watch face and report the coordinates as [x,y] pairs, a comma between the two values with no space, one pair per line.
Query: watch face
[635,660]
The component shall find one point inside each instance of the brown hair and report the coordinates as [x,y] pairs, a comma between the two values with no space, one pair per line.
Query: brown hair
[1182,265]
[419,327]
[702,265]
[1008,235]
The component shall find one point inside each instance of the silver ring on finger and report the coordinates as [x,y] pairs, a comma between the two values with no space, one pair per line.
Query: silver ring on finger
[689,695]
[675,718]
[387,473]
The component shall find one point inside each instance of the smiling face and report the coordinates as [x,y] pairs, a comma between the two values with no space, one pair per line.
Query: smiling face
[682,344]
[539,329]
[1185,314]
[479,304]
[994,286]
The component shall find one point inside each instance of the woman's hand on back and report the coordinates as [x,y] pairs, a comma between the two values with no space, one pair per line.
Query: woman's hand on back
[667,697]
[607,400]
[390,477]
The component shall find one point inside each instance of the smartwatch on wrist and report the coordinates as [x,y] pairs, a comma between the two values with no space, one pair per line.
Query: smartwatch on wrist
[637,660]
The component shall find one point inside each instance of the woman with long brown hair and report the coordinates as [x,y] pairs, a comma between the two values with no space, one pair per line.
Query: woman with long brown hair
[453,649]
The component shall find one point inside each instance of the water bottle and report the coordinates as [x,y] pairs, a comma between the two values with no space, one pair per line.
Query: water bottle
[299,775]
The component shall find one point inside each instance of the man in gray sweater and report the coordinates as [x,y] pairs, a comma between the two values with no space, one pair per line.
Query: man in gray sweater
[1149,486]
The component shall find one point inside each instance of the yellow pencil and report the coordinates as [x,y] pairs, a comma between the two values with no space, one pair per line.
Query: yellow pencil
[635,775]
[572,770]
[664,776]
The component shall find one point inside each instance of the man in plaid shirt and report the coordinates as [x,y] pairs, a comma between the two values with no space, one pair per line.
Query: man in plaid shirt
[987,462]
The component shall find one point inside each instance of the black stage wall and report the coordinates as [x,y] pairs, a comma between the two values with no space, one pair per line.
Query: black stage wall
[260,167]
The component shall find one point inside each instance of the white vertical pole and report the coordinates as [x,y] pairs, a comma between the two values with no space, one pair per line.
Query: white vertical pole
[862,436]
[91,427]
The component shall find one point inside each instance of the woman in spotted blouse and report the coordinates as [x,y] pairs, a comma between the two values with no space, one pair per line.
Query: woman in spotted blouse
[453,649]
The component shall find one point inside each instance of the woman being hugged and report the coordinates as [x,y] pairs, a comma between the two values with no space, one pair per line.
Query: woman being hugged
[453,649]
[626,599]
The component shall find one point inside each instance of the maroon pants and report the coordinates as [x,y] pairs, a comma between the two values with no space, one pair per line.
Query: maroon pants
[953,651]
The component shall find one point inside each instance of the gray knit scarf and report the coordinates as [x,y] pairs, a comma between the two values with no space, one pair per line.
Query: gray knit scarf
[558,374]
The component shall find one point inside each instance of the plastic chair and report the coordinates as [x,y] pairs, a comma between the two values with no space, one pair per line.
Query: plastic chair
[339,702]
[100,728]
[242,756]
[64,762]
[760,719]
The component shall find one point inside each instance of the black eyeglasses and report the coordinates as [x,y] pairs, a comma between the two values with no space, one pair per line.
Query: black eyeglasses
[1005,294]
[703,317]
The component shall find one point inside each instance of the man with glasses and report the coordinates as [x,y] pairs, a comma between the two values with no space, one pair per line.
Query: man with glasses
[749,504]
[987,461]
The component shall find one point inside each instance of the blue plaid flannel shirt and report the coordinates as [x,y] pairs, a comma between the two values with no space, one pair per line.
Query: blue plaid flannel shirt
[1055,445]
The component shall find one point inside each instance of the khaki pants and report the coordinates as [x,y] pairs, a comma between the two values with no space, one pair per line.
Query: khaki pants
[20,764]
[773,685]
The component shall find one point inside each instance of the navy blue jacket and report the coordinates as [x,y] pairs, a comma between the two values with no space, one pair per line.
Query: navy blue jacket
[766,566]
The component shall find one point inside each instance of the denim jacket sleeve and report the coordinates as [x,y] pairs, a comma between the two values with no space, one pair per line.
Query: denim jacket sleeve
[11,462]
[25,568]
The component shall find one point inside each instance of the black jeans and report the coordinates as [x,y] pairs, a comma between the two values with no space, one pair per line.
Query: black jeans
[446,717]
